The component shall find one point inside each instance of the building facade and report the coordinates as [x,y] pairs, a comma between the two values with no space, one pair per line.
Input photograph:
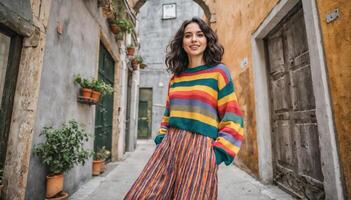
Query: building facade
[44,45]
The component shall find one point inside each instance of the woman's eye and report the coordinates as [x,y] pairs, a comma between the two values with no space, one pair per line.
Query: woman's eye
[200,35]
[187,36]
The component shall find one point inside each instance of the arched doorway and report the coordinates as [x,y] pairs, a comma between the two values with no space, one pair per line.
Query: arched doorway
[206,6]
[157,24]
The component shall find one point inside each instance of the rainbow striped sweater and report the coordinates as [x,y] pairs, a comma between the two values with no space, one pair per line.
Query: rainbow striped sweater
[202,100]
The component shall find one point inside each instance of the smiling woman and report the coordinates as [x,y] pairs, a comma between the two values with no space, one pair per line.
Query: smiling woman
[202,124]
[198,34]
[194,44]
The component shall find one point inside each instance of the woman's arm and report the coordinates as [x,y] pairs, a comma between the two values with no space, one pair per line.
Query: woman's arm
[165,119]
[230,129]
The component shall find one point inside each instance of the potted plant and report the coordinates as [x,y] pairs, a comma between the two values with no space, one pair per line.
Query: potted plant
[100,157]
[86,86]
[125,25]
[100,88]
[142,65]
[136,61]
[60,152]
[92,90]
[130,50]
[115,28]
[96,93]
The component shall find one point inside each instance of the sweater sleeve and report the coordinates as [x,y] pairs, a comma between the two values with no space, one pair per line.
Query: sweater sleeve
[230,128]
[165,120]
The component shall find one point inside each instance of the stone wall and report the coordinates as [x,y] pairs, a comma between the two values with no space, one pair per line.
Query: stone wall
[236,22]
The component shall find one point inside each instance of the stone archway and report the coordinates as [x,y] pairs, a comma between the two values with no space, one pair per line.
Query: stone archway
[206,5]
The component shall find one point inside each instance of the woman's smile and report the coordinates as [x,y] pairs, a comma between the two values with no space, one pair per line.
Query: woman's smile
[194,40]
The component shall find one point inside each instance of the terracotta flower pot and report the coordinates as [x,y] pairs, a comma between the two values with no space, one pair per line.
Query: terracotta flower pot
[134,64]
[95,95]
[130,51]
[54,185]
[86,92]
[60,196]
[97,164]
[115,29]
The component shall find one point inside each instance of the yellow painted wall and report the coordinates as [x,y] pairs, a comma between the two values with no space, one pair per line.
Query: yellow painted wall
[236,21]
[337,48]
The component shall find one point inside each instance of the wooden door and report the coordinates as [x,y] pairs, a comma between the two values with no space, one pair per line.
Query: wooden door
[104,109]
[145,113]
[10,54]
[296,154]
[143,124]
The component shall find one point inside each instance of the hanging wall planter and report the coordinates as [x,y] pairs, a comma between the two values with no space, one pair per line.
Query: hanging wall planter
[130,50]
[86,93]
[95,96]
[134,64]
[92,90]
[115,29]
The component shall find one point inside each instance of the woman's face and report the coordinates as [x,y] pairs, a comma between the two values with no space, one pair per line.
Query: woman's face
[194,40]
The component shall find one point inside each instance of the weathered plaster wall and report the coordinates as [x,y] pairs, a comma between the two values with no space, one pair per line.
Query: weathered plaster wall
[154,37]
[75,51]
[336,38]
[122,109]
[236,22]
[26,95]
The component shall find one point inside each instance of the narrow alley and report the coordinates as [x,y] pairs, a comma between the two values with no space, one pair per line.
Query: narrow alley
[115,182]
[87,86]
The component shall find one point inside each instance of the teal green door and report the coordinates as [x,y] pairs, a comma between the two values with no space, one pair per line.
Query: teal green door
[143,122]
[104,109]
[145,113]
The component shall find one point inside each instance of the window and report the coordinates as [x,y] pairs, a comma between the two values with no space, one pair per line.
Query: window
[169,11]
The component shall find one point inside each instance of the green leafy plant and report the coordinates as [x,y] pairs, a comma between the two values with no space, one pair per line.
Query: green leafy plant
[101,86]
[84,83]
[63,147]
[94,84]
[139,59]
[101,154]
[125,25]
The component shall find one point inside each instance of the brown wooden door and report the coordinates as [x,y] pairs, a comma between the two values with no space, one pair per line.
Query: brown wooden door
[296,154]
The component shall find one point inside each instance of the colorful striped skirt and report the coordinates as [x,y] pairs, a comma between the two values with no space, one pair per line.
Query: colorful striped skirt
[183,167]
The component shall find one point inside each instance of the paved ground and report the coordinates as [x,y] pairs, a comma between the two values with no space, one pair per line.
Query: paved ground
[115,182]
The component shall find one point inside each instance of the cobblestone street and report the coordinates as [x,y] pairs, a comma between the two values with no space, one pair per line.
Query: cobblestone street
[119,177]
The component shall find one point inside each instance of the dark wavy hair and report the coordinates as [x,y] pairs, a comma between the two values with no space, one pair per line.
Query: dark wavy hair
[177,59]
